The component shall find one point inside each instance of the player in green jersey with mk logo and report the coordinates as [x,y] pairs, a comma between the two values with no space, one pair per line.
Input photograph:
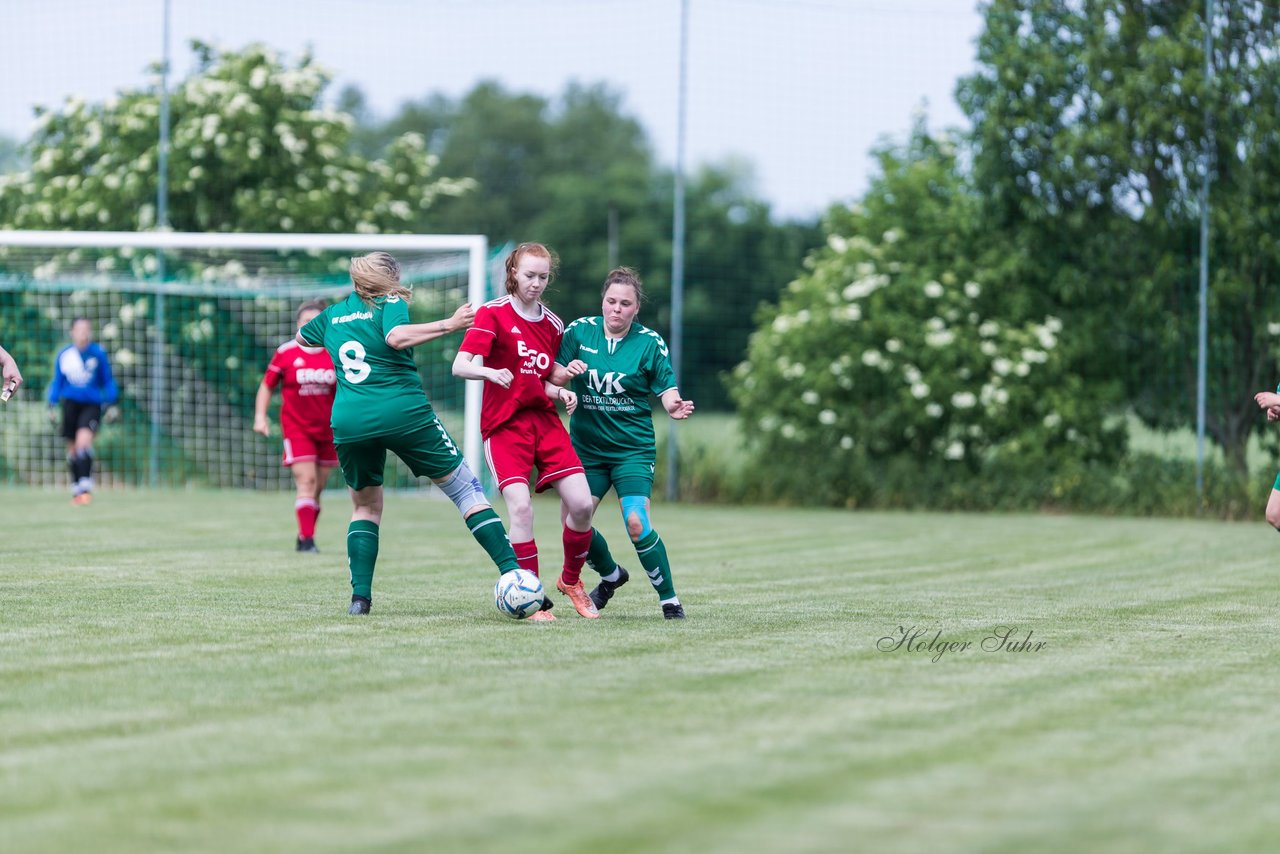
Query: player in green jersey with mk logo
[615,364]
[380,406]
[1269,402]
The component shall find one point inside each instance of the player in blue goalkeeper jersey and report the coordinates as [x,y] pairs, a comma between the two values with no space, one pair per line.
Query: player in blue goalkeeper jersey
[83,385]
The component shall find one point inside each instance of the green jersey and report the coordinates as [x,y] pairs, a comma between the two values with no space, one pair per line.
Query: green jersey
[379,391]
[613,416]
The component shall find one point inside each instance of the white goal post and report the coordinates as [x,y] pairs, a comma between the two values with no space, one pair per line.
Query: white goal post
[48,274]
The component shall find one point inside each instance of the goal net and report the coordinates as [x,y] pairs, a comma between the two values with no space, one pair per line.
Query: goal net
[189,323]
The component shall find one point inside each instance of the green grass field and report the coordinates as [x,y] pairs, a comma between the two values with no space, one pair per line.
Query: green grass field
[175,678]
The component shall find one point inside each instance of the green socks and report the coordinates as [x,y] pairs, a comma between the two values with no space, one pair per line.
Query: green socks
[486,527]
[598,556]
[653,557]
[362,548]
[362,554]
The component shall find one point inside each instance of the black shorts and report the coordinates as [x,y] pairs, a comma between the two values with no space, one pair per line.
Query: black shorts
[77,415]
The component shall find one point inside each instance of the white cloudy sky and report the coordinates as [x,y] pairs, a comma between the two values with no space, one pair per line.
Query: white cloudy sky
[802,88]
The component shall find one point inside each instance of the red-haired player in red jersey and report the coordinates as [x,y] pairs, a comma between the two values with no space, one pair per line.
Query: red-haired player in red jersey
[307,381]
[513,347]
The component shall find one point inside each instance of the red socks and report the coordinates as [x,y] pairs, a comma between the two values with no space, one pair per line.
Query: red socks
[306,509]
[576,546]
[527,555]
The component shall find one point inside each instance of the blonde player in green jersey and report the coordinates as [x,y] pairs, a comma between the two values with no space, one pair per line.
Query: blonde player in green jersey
[615,364]
[380,406]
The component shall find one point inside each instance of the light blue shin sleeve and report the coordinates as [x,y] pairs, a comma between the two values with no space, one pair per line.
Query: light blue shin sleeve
[636,504]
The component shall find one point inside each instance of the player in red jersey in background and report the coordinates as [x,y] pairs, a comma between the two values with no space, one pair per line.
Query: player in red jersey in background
[307,381]
[513,347]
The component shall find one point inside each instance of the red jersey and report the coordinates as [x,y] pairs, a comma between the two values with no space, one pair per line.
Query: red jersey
[309,383]
[527,348]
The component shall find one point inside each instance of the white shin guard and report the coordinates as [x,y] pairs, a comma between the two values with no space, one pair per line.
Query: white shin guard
[463,489]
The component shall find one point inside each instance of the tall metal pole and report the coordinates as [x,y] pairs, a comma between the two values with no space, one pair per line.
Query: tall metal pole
[162,224]
[613,234]
[162,190]
[677,248]
[1202,358]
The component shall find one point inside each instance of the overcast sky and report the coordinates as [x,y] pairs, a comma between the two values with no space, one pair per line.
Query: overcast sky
[801,88]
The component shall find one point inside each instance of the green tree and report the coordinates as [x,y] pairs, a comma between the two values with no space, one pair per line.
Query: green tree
[736,260]
[1090,133]
[11,159]
[598,157]
[497,139]
[906,341]
[553,170]
[253,149]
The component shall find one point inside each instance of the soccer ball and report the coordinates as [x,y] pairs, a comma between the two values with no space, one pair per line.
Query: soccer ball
[518,594]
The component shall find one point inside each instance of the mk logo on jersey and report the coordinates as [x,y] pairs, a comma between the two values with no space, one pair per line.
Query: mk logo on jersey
[610,383]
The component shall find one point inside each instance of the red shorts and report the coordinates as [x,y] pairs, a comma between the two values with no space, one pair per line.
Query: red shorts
[535,437]
[301,448]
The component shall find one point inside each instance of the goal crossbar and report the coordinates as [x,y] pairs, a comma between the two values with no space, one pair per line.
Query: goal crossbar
[192,240]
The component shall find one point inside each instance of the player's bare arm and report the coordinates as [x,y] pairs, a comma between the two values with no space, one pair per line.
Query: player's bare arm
[676,407]
[261,424]
[1267,399]
[469,366]
[561,394]
[10,377]
[561,374]
[413,334]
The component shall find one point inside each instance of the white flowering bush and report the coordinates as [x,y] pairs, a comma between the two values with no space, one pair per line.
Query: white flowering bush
[897,344]
[253,148]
